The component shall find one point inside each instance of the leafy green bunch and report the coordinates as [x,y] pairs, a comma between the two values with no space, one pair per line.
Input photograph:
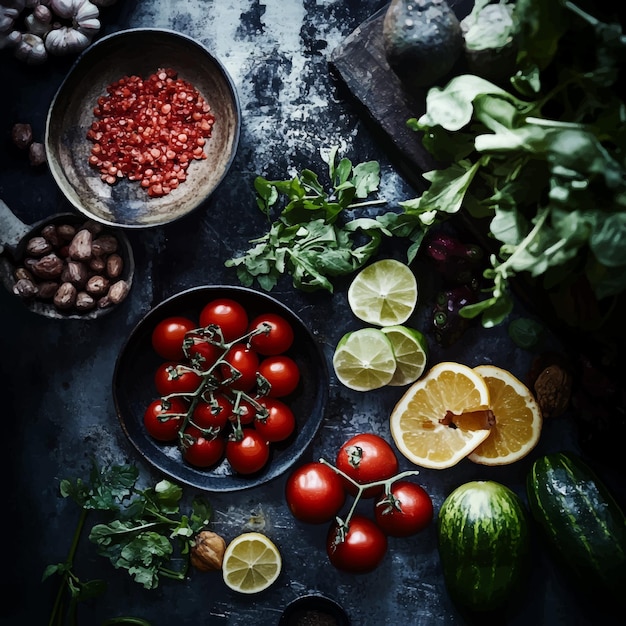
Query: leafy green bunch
[542,162]
[144,533]
[309,238]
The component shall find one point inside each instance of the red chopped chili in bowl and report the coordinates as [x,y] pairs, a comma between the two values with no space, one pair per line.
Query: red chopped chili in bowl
[149,131]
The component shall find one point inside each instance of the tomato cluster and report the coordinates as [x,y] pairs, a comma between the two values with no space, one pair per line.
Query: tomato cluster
[366,467]
[223,384]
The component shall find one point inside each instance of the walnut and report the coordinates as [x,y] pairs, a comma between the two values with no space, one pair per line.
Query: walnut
[553,389]
[207,553]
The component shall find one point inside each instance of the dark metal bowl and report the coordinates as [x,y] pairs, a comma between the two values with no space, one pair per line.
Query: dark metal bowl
[134,389]
[311,609]
[139,51]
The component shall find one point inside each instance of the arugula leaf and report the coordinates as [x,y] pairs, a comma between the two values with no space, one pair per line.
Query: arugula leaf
[307,239]
[552,188]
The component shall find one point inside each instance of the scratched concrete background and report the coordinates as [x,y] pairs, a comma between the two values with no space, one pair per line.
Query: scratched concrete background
[58,375]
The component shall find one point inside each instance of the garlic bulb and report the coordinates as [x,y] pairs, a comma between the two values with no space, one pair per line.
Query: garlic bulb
[31,49]
[65,40]
[8,15]
[9,39]
[39,21]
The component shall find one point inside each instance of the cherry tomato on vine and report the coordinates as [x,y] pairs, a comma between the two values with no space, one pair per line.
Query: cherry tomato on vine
[362,549]
[168,335]
[243,360]
[213,413]
[172,377]
[228,314]
[367,458]
[280,422]
[405,511]
[276,340]
[201,450]
[282,374]
[248,454]
[203,354]
[314,493]
[158,425]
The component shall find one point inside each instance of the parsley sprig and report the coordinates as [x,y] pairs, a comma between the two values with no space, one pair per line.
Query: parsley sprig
[144,533]
[309,238]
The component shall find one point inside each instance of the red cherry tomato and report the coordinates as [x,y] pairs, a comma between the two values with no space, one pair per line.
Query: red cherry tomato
[314,493]
[277,335]
[214,413]
[405,511]
[172,377]
[229,315]
[244,361]
[362,549]
[156,422]
[282,374]
[203,354]
[366,458]
[248,454]
[279,423]
[168,335]
[201,450]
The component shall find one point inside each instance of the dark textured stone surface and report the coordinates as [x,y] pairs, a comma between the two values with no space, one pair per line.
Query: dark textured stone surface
[56,375]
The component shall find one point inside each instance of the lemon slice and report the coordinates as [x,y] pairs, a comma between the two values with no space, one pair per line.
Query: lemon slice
[383,293]
[442,417]
[411,351]
[518,419]
[364,359]
[251,564]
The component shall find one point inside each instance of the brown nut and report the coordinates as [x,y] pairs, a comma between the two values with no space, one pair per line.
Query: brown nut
[25,288]
[65,297]
[50,233]
[207,553]
[66,232]
[75,272]
[22,135]
[97,264]
[47,289]
[114,265]
[95,228]
[104,244]
[97,285]
[80,246]
[84,301]
[118,291]
[22,272]
[553,389]
[38,246]
[48,266]
[36,154]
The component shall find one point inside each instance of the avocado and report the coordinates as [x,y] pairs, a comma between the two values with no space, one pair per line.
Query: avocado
[422,40]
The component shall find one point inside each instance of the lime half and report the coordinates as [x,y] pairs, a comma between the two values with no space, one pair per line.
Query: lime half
[411,351]
[383,293]
[364,359]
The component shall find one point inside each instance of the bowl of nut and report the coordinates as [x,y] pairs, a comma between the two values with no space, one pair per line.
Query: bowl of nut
[65,266]
[143,128]
[221,387]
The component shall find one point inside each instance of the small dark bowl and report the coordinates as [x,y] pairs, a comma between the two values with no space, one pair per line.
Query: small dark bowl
[134,389]
[14,237]
[307,609]
[140,51]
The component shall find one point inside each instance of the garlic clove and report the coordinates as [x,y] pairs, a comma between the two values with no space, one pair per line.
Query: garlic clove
[31,49]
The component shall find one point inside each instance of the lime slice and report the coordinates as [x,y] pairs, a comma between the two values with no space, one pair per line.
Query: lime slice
[411,351]
[383,293]
[364,359]
[252,562]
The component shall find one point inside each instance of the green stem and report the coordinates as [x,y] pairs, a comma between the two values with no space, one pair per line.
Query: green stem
[362,487]
[69,563]
[357,205]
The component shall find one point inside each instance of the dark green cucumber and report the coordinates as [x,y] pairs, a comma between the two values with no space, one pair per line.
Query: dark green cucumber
[582,523]
[483,544]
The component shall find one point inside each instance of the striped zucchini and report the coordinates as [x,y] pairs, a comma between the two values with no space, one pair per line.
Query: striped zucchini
[483,544]
[584,526]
